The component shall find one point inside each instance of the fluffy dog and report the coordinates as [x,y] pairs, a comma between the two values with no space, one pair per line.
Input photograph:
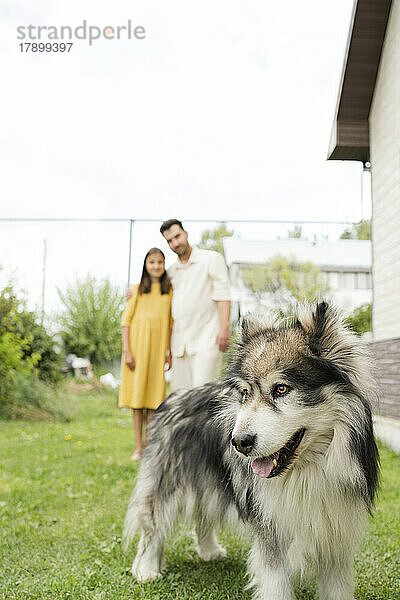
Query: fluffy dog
[284,441]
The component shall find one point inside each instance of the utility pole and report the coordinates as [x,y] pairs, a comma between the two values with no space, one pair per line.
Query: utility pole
[43,277]
[131,222]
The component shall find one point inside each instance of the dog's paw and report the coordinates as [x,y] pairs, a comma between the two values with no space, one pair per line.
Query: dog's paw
[142,572]
[215,553]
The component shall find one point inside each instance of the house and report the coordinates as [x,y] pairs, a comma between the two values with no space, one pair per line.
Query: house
[346,265]
[366,128]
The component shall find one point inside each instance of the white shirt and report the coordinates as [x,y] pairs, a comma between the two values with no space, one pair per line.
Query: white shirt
[198,285]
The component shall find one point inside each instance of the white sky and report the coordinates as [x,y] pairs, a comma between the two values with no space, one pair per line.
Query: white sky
[224,111]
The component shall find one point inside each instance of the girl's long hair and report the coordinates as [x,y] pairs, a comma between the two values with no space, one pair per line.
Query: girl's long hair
[145,280]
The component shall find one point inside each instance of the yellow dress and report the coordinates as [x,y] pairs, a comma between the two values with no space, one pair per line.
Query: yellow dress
[148,317]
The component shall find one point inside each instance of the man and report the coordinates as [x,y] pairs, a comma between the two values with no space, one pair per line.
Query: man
[200,309]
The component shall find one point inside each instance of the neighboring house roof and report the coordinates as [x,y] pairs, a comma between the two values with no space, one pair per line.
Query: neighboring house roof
[342,255]
[350,131]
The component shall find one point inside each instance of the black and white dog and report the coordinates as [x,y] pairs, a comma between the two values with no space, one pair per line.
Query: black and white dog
[284,441]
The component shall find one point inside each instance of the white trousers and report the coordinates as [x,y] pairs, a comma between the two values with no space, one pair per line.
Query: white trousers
[192,370]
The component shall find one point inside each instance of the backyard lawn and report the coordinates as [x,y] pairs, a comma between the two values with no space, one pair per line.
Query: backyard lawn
[64,489]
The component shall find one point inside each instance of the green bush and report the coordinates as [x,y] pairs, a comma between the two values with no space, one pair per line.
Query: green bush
[16,357]
[90,321]
[42,344]
[32,344]
[360,319]
[32,399]
[27,356]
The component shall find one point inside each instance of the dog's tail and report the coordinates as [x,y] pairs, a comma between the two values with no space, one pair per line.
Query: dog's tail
[132,521]
[140,513]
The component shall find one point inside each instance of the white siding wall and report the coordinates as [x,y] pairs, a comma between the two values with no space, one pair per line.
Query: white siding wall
[385,166]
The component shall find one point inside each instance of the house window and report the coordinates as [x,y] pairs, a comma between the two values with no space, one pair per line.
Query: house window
[362,281]
[349,281]
[333,280]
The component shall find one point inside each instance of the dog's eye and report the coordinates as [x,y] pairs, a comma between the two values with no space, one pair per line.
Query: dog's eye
[281,390]
[245,395]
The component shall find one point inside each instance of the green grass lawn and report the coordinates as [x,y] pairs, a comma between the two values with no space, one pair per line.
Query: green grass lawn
[62,505]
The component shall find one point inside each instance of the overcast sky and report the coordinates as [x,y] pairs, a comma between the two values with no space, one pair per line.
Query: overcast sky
[223,111]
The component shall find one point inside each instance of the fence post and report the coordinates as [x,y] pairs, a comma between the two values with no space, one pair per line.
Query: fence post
[131,222]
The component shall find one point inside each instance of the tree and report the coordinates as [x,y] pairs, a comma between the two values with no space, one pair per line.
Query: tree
[360,319]
[358,231]
[90,320]
[285,279]
[211,239]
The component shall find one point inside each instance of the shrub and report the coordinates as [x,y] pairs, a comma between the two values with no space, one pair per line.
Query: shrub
[15,351]
[360,319]
[91,319]
[26,354]
[42,344]
[32,399]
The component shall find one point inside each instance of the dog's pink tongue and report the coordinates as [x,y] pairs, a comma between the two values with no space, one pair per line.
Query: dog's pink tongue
[263,466]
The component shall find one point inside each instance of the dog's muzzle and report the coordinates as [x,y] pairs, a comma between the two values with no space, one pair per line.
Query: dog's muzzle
[244,443]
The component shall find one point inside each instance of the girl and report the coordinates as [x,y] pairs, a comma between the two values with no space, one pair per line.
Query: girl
[146,335]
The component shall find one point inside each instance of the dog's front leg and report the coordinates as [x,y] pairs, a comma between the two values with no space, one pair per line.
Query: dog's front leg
[149,560]
[269,574]
[336,581]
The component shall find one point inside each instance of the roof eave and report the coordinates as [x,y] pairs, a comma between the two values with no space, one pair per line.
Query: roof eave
[350,131]
[349,141]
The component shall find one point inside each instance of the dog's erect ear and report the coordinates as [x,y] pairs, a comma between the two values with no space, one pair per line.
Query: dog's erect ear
[331,340]
[321,316]
[323,325]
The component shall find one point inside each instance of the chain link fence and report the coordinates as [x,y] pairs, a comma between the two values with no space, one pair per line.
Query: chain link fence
[42,255]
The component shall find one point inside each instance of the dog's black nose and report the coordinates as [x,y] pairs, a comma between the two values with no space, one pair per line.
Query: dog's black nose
[244,443]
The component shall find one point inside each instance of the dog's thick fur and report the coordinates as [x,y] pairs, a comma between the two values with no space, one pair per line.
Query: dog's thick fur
[309,379]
